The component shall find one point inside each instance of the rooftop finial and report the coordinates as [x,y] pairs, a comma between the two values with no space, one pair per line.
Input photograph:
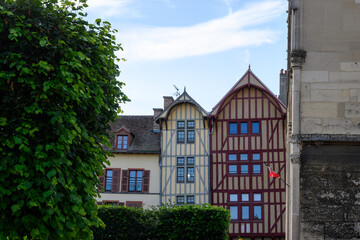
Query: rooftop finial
[249,66]
[184,89]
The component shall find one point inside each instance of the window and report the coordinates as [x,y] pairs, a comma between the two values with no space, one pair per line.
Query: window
[245,212]
[243,157]
[232,169]
[232,157]
[190,174]
[122,142]
[112,203]
[180,124]
[257,197]
[180,174]
[256,168]
[134,204]
[243,127]
[108,180]
[256,156]
[257,212]
[190,136]
[136,181]
[180,199]
[180,136]
[190,161]
[233,128]
[233,197]
[190,199]
[180,161]
[190,124]
[233,212]
[255,127]
[245,197]
[244,169]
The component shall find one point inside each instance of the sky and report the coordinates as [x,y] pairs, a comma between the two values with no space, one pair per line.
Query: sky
[204,46]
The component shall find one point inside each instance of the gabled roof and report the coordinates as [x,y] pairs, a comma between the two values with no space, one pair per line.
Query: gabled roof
[248,80]
[183,98]
[144,139]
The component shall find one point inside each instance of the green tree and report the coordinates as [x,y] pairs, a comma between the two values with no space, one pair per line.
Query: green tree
[58,92]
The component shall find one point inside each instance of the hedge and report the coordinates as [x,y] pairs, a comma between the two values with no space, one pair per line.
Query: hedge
[184,222]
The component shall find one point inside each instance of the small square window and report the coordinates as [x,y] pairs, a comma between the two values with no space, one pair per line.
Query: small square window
[257,212]
[180,199]
[180,136]
[255,127]
[190,136]
[243,128]
[245,212]
[256,156]
[244,169]
[190,199]
[256,168]
[232,169]
[180,124]
[190,124]
[190,161]
[233,197]
[245,197]
[233,212]
[257,197]
[243,157]
[232,157]
[180,161]
[233,128]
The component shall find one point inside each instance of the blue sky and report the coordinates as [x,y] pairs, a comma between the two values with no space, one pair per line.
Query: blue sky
[203,45]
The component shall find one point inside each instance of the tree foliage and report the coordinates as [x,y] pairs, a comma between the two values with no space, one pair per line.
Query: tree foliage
[58,92]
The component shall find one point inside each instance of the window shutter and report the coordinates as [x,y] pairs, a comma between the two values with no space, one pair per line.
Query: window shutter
[115,186]
[102,182]
[124,181]
[146,182]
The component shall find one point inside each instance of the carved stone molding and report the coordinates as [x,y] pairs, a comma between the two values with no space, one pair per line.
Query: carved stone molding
[295,158]
[297,57]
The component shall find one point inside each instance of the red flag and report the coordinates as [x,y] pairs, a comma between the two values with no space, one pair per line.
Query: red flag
[274,174]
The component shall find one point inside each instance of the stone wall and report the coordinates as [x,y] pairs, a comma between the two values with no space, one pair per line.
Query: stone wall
[330,192]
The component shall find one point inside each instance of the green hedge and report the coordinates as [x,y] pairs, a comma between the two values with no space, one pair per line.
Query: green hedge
[164,223]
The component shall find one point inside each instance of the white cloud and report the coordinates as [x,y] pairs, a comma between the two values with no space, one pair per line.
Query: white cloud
[231,31]
[108,8]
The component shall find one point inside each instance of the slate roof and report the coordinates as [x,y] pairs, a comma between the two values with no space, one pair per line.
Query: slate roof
[145,140]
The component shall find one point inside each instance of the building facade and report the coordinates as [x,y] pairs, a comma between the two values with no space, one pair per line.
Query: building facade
[323,140]
[247,132]
[132,177]
[184,152]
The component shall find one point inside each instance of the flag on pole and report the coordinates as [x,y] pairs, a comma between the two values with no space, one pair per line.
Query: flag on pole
[275,174]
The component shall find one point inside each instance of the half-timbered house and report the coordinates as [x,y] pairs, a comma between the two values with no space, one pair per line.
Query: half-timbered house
[248,131]
[184,152]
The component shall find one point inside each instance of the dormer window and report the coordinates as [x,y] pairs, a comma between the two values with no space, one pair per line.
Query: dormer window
[122,142]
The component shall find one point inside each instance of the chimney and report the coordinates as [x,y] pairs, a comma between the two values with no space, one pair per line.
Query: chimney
[282,87]
[167,101]
[157,112]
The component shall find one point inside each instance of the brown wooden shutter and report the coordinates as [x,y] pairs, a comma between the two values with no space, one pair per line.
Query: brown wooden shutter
[115,186]
[102,182]
[124,181]
[146,183]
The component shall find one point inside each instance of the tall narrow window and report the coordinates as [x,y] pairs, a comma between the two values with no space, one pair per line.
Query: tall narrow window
[108,180]
[180,174]
[233,128]
[122,142]
[190,136]
[180,136]
[255,127]
[135,181]
[243,127]
[245,212]
[257,212]
[233,212]
[190,174]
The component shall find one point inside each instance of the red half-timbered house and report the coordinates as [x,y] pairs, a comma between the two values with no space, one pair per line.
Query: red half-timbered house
[247,132]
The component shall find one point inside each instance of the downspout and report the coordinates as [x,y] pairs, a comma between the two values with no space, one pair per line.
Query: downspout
[160,163]
[211,131]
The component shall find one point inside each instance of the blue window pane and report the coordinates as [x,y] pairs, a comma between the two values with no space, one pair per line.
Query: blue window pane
[257,197]
[108,180]
[244,169]
[245,197]
[190,136]
[257,212]
[243,157]
[232,157]
[256,169]
[256,156]
[243,128]
[255,127]
[232,169]
[233,128]
[180,136]
[233,212]
[245,212]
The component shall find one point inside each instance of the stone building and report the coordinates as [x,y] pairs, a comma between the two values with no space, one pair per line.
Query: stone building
[323,126]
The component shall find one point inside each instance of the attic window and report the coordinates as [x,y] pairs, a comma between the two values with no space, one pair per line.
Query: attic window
[122,142]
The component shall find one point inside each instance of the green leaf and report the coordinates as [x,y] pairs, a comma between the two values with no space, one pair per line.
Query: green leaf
[15,208]
[42,42]
[51,173]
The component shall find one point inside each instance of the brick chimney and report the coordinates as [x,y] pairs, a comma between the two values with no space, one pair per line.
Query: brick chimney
[167,101]
[157,112]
